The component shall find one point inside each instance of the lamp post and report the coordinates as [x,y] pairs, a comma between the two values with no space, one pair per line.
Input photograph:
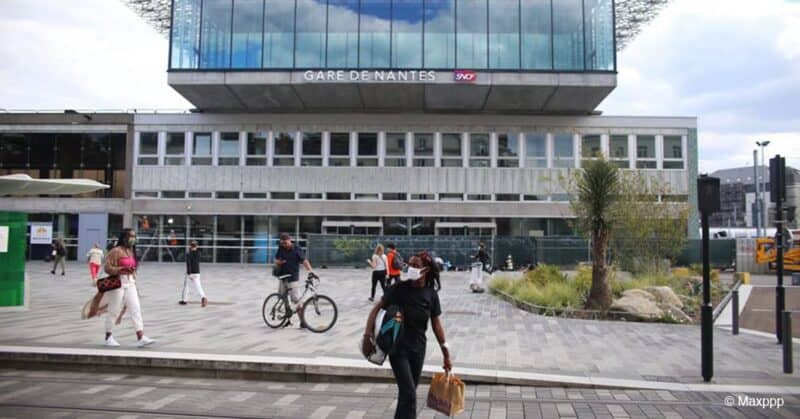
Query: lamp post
[756,210]
[777,180]
[762,199]
[708,200]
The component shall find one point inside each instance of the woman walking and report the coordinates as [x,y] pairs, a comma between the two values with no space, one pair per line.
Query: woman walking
[121,260]
[59,253]
[379,264]
[95,259]
[418,303]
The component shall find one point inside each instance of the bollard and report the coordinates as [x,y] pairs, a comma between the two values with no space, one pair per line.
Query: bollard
[735,312]
[788,365]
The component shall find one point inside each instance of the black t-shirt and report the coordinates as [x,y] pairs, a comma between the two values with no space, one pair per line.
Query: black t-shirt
[418,305]
[293,257]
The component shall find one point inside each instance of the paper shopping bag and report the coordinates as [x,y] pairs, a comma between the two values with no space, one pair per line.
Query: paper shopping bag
[446,394]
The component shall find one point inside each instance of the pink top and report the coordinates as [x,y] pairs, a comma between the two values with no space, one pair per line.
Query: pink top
[127,262]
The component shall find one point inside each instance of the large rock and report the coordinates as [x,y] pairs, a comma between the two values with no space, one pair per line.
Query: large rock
[665,296]
[638,305]
[677,314]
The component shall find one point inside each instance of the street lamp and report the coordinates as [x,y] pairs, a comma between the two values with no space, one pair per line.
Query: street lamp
[708,202]
[762,200]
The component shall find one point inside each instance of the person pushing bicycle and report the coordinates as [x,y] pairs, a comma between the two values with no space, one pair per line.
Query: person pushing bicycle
[288,259]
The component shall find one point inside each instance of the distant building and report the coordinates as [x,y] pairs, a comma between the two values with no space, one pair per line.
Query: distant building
[738,195]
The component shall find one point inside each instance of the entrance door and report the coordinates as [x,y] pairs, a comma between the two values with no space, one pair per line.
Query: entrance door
[92,228]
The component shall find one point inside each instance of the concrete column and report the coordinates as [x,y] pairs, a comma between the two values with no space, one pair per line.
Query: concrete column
[326,148]
[632,151]
[381,148]
[684,152]
[523,150]
[437,149]
[604,145]
[187,148]
[465,149]
[270,147]
[353,149]
[550,147]
[242,148]
[659,152]
[409,149]
[298,148]
[576,149]
[162,147]
[493,149]
[215,136]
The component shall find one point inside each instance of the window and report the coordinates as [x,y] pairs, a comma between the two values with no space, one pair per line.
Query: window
[309,196]
[343,34]
[673,152]
[366,197]
[256,148]
[646,152]
[440,29]
[374,39]
[248,17]
[229,149]
[537,51]
[422,197]
[185,34]
[340,149]
[599,29]
[312,19]
[591,147]
[479,150]
[282,195]
[394,196]
[338,196]
[451,150]
[215,34]
[284,149]
[407,17]
[201,195]
[312,149]
[228,238]
[279,34]
[534,198]
[479,197]
[423,150]
[145,194]
[367,149]
[395,149]
[395,226]
[535,150]
[504,20]
[254,195]
[451,197]
[173,194]
[471,34]
[563,150]
[175,149]
[568,34]
[508,150]
[148,149]
[201,149]
[618,150]
[227,195]
[505,197]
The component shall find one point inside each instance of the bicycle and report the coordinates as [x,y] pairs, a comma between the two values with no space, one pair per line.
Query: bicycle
[319,311]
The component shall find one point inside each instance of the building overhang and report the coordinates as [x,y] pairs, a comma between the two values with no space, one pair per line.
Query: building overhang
[393,91]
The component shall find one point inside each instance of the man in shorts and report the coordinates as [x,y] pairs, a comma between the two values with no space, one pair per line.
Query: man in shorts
[288,258]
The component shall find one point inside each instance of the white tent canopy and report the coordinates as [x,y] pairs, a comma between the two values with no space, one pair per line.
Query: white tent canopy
[26,185]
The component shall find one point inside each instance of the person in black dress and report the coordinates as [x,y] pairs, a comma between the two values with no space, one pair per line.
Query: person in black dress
[419,302]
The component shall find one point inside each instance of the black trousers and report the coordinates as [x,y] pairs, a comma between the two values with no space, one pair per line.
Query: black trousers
[378,277]
[407,367]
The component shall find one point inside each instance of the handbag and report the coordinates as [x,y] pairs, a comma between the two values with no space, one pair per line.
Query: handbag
[446,394]
[109,283]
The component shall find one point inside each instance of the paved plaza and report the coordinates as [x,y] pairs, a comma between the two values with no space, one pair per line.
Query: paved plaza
[52,394]
[483,331]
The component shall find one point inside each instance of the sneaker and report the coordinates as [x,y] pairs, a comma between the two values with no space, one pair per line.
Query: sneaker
[183,303]
[62,274]
[204,302]
[144,341]
[53,272]
[371,299]
[111,341]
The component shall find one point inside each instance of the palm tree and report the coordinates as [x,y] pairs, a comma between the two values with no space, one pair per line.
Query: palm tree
[597,187]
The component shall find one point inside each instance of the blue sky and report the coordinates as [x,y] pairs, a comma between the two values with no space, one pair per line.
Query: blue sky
[735,64]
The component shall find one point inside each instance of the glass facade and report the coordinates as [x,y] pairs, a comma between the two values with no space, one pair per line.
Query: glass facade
[515,35]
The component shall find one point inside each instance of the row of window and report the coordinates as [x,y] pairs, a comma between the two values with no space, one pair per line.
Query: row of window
[400,149]
[572,35]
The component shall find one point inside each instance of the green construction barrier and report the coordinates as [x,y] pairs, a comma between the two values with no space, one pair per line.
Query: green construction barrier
[12,258]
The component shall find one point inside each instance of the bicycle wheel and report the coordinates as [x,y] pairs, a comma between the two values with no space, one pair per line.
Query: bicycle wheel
[274,311]
[320,313]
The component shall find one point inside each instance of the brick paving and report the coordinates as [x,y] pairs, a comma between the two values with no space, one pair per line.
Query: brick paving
[484,332]
[51,394]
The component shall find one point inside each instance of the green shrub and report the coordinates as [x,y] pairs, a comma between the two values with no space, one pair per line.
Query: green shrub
[501,284]
[545,274]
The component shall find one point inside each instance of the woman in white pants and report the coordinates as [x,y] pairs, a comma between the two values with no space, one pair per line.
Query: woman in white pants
[121,260]
[192,278]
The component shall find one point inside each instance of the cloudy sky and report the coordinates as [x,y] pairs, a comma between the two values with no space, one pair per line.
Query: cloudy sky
[735,64]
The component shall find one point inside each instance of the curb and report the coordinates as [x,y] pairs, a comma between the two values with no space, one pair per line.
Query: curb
[322,369]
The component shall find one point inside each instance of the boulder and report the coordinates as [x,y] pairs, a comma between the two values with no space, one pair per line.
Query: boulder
[677,314]
[637,305]
[665,296]
[639,293]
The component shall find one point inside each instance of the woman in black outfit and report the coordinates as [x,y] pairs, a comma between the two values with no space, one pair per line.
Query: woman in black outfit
[419,302]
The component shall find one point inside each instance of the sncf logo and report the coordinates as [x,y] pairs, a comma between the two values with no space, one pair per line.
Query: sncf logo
[465,76]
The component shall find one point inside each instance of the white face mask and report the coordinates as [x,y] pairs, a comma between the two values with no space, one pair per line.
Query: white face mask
[413,274]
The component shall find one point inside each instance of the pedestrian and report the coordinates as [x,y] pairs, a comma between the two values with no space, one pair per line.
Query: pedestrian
[418,302]
[480,266]
[121,260]
[192,278]
[287,260]
[379,263]
[95,259]
[59,252]
[394,264]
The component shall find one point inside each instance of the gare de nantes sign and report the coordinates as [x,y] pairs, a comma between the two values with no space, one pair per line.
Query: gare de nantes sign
[391,76]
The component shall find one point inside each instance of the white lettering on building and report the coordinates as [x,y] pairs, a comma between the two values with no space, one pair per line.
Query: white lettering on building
[391,76]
